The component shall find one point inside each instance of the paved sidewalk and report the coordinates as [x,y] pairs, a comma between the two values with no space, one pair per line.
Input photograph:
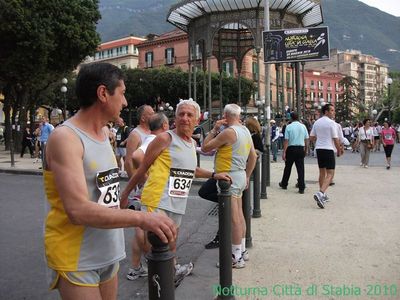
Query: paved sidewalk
[353,243]
[22,165]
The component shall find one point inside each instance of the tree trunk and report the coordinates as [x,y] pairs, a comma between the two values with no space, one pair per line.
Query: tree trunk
[7,113]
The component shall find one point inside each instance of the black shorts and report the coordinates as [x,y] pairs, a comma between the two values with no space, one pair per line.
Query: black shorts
[326,159]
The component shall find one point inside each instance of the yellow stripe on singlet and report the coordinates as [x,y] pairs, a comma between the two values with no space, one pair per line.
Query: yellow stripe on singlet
[223,159]
[62,239]
[156,183]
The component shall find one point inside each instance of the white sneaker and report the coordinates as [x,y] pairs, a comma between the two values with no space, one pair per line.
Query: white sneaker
[238,264]
[366,166]
[183,270]
[134,274]
[319,198]
[245,255]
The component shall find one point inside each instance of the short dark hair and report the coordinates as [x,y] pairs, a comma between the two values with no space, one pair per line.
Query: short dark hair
[157,120]
[325,108]
[366,120]
[294,116]
[91,76]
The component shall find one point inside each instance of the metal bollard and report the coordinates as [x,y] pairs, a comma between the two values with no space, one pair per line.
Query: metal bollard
[198,159]
[257,190]
[225,231]
[265,180]
[161,270]
[246,207]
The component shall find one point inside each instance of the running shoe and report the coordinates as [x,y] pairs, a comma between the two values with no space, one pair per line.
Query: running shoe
[245,255]
[183,270]
[319,198]
[238,264]
[134,273]
[214,243]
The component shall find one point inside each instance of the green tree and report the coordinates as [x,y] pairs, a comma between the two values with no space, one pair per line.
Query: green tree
[348,103]
[41,41]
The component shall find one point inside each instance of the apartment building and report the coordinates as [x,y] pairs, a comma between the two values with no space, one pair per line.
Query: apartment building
[370,72]
[122,52]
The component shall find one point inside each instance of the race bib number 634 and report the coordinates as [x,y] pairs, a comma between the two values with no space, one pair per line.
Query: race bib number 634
[180,181]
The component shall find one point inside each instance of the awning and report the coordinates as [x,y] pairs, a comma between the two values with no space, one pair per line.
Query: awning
[182,13]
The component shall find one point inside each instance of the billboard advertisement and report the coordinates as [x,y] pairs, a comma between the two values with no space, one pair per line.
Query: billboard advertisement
[296,44]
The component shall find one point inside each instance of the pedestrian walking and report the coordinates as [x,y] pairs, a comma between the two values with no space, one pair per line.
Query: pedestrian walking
[84,239]
[366,142]
[27,139]
[274,140]
[325,134]
[294,150]
[388,137]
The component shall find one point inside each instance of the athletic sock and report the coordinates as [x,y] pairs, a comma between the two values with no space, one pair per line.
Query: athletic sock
[237,251]
[243,244]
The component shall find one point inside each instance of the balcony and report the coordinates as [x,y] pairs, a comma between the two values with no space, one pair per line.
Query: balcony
[312,86]
[329,88]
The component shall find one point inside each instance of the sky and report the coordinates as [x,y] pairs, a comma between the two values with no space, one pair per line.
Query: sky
[390,6]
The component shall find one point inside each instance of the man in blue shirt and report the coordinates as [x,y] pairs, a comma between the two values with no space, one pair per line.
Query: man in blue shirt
[294,150]
[45,129]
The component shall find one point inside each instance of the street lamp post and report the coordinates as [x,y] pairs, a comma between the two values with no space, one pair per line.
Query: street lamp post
[64,91]
[389,82]
[374,113]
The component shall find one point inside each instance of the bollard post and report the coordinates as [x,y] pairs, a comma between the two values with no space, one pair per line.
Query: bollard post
[161,270]
[225,243]
[257,190]
[198,159]
[246,207]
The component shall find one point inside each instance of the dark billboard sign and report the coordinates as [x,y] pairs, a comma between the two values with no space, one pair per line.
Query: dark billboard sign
[296,44]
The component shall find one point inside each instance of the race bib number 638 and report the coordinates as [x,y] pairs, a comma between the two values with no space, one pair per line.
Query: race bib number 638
[108,184]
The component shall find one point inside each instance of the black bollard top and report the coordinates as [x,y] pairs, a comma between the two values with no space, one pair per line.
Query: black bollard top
[155,240]
[224,185]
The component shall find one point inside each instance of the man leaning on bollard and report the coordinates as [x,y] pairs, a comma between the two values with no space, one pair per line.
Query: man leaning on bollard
[294,150]
[171,164]
[236,156]
[84,239]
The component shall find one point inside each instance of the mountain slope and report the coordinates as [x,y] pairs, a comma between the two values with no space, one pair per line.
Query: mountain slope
[352,25]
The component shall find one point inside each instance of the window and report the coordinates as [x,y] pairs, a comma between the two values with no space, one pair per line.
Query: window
[255,71]
[312,96]
[288,82]
[312,84]
[198,51]
[227,67]
[169,56]
[320,85]
[149,59]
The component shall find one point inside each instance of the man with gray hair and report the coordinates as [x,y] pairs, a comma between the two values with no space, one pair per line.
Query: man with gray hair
[170,162]
[237,157]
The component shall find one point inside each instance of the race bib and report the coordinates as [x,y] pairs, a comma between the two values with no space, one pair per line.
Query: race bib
[108,184]
[180,181]
[118,137]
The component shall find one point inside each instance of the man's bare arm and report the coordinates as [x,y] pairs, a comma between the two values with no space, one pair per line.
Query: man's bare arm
[154,149]
[133,142]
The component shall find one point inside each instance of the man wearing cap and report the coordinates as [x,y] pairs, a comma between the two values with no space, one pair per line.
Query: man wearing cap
[294,151]
[274,140]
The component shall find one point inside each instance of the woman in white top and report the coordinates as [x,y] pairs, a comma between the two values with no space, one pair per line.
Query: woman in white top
[366,142]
